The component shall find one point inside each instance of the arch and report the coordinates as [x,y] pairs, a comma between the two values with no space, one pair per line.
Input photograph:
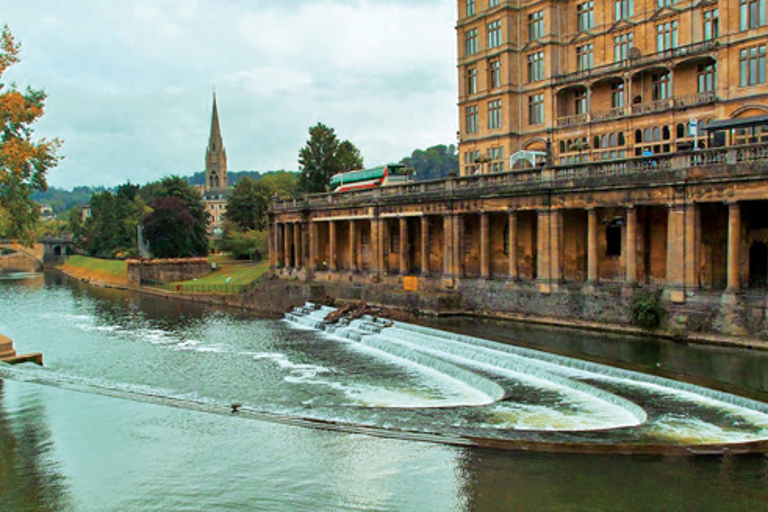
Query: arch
[647,135]
[612,140]
[622,140]
[665,132]
[746,109]
[537,144]
[638,136]
[680,130]
[656,133]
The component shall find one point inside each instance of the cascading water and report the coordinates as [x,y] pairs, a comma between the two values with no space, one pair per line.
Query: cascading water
[538,397]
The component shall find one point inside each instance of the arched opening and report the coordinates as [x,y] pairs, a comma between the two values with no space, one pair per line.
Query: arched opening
[758,264]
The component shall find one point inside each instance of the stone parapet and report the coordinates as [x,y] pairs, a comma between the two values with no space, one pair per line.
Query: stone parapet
[167,270]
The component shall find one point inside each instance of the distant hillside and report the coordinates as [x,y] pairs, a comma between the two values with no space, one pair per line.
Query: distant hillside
[61,200]
[232,176]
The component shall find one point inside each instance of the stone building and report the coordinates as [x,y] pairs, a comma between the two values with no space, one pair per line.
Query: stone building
[602,195]
[215,188]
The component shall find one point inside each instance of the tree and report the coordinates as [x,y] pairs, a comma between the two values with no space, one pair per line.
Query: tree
[189,223]
[248,203]
[324,156]
[435,162]
[23,162]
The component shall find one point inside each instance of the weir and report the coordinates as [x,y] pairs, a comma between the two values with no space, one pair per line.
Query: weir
[538,400]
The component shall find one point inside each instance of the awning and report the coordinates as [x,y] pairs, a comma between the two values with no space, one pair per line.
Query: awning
[739,122]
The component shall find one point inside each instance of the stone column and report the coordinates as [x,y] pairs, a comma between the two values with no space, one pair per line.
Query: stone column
[459,232]
[313,246]
[353,246]
[514,270]
[692,246]
[592,258]
[333,260]
[305,248]
[676,252]
[543,259]
[485,246]
[287,238]
[272,246]
[404,263]
[734,246]
[556,245]
[297,249]
[631,245]
[448,244]
[424,245]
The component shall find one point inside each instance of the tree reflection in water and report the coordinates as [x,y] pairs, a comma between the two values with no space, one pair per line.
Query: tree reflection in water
[28,479]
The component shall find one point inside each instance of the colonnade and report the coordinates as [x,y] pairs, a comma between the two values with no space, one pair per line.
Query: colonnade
[546,246]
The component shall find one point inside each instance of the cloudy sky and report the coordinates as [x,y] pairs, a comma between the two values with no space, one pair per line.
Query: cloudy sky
[130,81]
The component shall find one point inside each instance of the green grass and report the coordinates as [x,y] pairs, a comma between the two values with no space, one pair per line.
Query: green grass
[98,267]
[235,275]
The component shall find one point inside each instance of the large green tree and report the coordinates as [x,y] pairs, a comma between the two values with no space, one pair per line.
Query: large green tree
[183,234]
[323,156]
[23,161]
[435,162]
[111,230]
[247,204]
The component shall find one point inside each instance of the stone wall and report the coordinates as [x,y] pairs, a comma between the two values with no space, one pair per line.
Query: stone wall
[6,347]
[18,263]
[167,271]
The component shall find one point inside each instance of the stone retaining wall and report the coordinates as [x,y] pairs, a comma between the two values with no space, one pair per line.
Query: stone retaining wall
[167,271]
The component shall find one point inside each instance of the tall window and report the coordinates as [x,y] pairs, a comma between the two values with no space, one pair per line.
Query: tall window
[536,25]
[494,73]
[622,45]
[580,102]
[536,109]
[661,86]
[664,3]
[711,25]
[617,94]
[470,8]
[752,65]
[584,57]
[666,36]
[752,14]
[494,114]
[470,117]
[707,77]
[535,66]
[470,42]
[471,80]
[494,34]
[585,16]
[493,3]
[496,159]
[623,9]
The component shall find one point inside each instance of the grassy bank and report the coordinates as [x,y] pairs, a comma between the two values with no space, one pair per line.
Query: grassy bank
[230,277]
[111,272]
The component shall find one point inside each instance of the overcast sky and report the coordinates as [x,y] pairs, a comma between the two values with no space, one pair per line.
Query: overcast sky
[129,82]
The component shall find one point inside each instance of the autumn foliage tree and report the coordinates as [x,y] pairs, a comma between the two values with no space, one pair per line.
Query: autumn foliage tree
[23,161]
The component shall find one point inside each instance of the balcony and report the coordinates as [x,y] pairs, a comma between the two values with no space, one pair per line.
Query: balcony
[572,120]
[653,106]
[607,115]
[693,100]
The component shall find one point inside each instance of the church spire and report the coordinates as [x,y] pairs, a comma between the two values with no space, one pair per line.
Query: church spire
[215,155]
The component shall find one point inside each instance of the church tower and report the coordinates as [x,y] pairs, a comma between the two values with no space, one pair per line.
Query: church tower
[215,156]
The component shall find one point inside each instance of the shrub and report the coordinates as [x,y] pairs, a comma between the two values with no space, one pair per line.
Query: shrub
[647,310]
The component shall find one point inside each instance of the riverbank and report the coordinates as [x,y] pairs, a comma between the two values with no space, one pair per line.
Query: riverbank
[276,297]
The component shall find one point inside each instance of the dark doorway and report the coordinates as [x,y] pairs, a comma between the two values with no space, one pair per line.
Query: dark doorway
[758,265]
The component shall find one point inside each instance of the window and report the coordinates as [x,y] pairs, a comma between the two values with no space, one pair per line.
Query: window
[707,77]
[493,3]
[494,34]
[535,25]
[622,45]
[752,14]
[470,117]
[536,109]
[711,25]
[494,114]
[584,57]
[617,94]
[470,42]
[623,9]
[535,66]
[470,162]
[470,8]
[580,102]
[666,36]
[494,72]
[661,86]
[496,159]
[664,3]
[752,66]
[585,16]
[471,80]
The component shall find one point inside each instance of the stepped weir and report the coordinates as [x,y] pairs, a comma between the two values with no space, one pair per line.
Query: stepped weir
[533,400]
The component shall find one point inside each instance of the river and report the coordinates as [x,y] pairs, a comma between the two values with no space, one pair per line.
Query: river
[131,412]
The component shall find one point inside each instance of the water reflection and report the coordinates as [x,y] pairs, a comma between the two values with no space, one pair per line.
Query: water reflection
[29,476]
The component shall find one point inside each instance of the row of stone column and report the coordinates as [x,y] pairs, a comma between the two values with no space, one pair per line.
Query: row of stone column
[295,245]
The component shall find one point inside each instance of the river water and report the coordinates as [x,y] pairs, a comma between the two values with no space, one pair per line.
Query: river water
[131,412]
